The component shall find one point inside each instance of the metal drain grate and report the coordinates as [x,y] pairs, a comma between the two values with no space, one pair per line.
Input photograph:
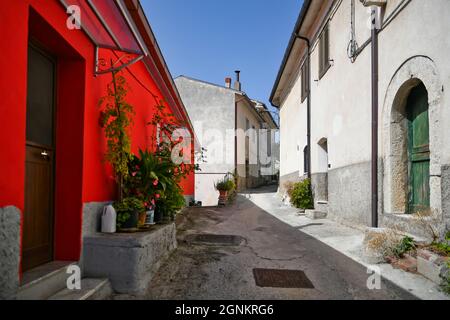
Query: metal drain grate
[215,239]
[278,278]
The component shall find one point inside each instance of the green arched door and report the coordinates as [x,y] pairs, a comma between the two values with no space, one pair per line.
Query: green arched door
[418,150]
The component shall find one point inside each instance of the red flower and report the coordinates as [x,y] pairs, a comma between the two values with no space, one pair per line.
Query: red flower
[158,196]
[155,183]
[153,201]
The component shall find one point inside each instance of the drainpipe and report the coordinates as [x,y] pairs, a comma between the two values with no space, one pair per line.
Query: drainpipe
[308,108]
[374,117]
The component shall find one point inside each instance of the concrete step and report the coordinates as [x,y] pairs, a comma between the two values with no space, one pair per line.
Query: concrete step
[315,214]
[321,206]
[44,281]
[91,289]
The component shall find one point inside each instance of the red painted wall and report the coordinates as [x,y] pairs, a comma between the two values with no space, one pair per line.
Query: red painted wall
[81,174]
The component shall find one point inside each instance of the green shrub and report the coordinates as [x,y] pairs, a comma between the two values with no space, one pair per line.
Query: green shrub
[301,195]
[444,246]
[406,245]
[226,184]
[446,279]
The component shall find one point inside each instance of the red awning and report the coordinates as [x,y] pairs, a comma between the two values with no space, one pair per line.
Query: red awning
[107,25]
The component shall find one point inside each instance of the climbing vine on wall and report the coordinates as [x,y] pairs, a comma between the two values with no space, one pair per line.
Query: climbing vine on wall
[116,118]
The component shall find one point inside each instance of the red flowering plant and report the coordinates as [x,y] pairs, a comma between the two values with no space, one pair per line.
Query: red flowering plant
[174,154]
[143,180]
[155,176]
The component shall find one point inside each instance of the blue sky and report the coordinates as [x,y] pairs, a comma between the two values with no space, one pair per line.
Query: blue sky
[209,39]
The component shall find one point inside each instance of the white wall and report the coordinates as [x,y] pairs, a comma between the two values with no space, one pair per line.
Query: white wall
[341,100]
[341,109]
[292,131]
[244,112]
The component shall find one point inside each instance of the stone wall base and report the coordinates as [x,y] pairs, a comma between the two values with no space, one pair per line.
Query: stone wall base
[9,252]
[349,194]
[129,261]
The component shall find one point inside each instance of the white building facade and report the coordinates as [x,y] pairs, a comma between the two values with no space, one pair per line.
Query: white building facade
[413,111]
[236,134]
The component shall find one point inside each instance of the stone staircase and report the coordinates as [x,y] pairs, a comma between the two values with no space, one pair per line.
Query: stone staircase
[48,282]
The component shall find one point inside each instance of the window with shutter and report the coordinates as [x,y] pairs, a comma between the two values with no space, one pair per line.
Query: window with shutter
[324,52]
[305,81]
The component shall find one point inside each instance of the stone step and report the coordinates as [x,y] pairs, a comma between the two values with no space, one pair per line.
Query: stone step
[91,289]
[315,214]
[44,281]
[321,206]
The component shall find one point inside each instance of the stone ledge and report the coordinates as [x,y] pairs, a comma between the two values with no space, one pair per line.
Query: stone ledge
[411,225]
[129,261]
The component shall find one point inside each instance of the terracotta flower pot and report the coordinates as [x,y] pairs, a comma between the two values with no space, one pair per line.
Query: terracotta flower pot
[223,197]
[223,193]
[142,217]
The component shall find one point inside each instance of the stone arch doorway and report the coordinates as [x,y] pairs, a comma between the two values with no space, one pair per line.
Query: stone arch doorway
[411,142]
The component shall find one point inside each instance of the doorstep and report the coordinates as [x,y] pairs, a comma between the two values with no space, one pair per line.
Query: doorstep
[44,281]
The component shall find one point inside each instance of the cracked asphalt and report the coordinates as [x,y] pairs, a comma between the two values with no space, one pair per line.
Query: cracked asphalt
[197,272]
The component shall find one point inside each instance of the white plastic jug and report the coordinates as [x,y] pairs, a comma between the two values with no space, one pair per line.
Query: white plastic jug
[109,217]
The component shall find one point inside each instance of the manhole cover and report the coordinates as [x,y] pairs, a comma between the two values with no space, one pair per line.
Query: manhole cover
[215,239]
[278,278]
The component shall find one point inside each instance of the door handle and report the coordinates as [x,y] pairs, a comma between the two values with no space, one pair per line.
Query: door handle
[44,154]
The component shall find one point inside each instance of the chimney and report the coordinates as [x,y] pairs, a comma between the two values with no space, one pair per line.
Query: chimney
[228,83]
[237,84]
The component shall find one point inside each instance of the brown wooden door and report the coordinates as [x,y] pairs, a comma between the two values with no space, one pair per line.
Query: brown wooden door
[39,199]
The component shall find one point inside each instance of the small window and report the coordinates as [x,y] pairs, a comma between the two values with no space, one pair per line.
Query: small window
[324,52]
[305,81]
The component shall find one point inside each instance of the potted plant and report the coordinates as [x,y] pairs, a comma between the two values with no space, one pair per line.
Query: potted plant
[224,186]
[128,211]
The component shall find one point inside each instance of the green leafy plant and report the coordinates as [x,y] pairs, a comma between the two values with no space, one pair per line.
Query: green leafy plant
[126,207]
[445,286]
[406,245]
[301,195]
[226,184]
[442,247]
[232,194]
[116,119]
[143,181]
[169,194]
[171,201]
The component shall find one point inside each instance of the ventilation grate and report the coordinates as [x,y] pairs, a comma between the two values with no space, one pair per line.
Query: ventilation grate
[279,278]
[215,239]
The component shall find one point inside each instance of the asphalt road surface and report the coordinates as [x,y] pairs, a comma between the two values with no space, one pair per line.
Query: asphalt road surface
[201,271]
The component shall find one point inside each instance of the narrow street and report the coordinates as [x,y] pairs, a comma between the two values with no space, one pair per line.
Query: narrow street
[200,271]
